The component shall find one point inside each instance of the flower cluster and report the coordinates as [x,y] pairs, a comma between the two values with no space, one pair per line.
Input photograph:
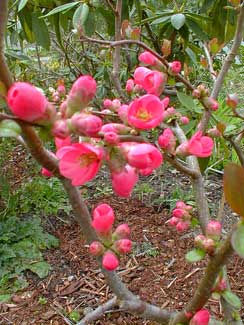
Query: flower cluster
[111,244]
[181,216]
[208,243]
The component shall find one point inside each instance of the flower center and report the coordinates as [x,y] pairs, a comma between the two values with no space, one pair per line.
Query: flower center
[87,159]
[143,114]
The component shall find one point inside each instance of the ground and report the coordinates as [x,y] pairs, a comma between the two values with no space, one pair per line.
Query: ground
[156,269]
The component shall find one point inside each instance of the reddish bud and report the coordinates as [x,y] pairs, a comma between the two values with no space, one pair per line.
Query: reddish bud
[129,86]
[200,318]
[103,218]
[232,100]
[45,172]
[86,124]
[110,261]
[122,231]
[123,246]
[96,248]
[214,133]
[184,120]
[199,241]
[179,213]
[182,226]
[111,137]
[173,221]
[211,103]
[60,129]
[174,67]
[209,245]
[107,103]
[213,229]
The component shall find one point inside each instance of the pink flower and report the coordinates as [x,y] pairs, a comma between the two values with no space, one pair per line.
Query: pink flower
[60,129]
[184,120]
[45,172]
[122,231]
[213,229]
[145,112]
[147,58]
[179,213]
[202,317]
[79,162]
[144,155]
[82,92]
[107,103]
[96,248]
[103,218]
[200,146]
[129,86]
[27,102]
[124,181]
[62,142]
[111,137]
[151,80]
[173,221]
[167,140]
[165,102]
[61,89]
[174,67]
[110,261]
[182,226]
[180,205]
[86,124]
[145,171]
[123,246]
[123,113]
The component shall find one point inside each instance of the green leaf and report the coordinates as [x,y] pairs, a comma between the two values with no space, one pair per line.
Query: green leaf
[80,16]
[40,30]
[63,8]
[195,255]
[5,298]
[9,128]
[160,20]
[237,240]
[22,4]
[232,299]
[196,28]
[75,316]
[178,21]
[40,268]
[234,187]
[186,100]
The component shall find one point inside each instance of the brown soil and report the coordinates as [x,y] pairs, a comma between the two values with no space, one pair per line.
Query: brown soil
[156,270]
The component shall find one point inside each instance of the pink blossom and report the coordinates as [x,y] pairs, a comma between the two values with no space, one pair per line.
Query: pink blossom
[200,146]
[202,317]
[165,102]
[123,113]
[213,229]
[167,140]
[182,226]
[107,103]
[173,221]
[103,218]
[122,231]
[62,142]
[145,171]
[82,92]
[124,181]
[27,102]
[86,124]
[180,205]
[110,261]
[184,120]
[111,137]
[151,80]
[179,213]
[115,104]
[145,112]
[174,67]
[63,108]
[129,86]
[147,57]
[144,155]
[79,162]
[61,89]
[123,246]
[60,129]
[114,127]
[96,248]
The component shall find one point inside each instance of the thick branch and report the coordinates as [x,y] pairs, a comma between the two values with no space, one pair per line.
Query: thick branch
[5,75]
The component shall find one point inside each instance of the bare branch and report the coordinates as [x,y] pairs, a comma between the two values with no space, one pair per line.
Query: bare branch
[210,62]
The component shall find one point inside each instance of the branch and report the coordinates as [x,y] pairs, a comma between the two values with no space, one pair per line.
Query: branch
[237,148]
[210,62]
[16,119]
[180,167]
[203,292]
[225,67]
[98,312]
[5,75]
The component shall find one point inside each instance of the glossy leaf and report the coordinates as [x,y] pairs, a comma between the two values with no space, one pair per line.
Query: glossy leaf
[22,4]
[186,100]
[195,255]
[62,9]
[80,16]
[40,30]
[237,240]
[232,299]
[178,21]
[234,187]
[9,128]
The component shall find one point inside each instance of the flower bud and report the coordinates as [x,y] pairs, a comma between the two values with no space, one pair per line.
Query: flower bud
[213,229]
[200,318]
[96,248]
[179,213]
[174,68]
[209,245]
[129,86]
[45,172]
[199,241]
[232,100]
[60,129]
[214,133]
[107,103]
[110,261]
[103,218]
[211,103]
[122,231]
[182,226]
[173,221]
[184,120]
[86,124]
[123,246]
[111,137]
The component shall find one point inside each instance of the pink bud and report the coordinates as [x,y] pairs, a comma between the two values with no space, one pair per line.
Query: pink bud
[103,218]
[196,93]
[96,248]
[214,133]
[232,100]
[184,120]
[165,102]
[200,318]
[56,97]
[111,137]
[122,231]
[211,103]
[171,111]
[209,246]
[179,213]
[60,129]
[182,226]
[174,67]
[213,229]
[180,205]
[26,102]
[144,155]
[45,172]
[129,86]
[167,140]
[148,58]
[199,241]
[123,113]
[121,187]
[173,221]
[115,105]
[61,89]
[110,261]
[86,124]
[182,150]
[123,246]
[107,103]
